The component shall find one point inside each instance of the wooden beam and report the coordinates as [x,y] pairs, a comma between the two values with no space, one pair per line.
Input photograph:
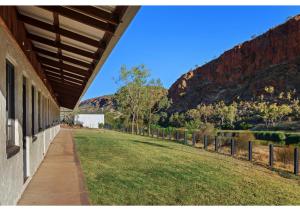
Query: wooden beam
[63,91]
[57,40]
[61,31]
[49,68]
[55,71]
[64,66]
[79,17]
[64,58]
[64,76]
[65,47]
[98,13]
[65,85]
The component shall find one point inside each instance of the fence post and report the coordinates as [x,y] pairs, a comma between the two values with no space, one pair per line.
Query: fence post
[271,155]
[157,133]
[205,142]
[296,161]
[170,135]
[177,135]
[194,138]
[250,150]
[232,147]
[163,133]
[152,134]
[216,143]
[185,137]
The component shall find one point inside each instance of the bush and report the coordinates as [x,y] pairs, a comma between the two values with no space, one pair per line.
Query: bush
[292,139]
[278,137]
[100,125]
[207,129]
[244,126]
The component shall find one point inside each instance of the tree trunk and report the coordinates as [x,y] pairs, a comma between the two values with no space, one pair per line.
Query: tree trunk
[132,124]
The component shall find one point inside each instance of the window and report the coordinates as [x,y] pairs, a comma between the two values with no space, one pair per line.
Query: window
[33,111]
[10,103]
[39,111]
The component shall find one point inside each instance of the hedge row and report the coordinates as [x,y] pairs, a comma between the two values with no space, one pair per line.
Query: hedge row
[279,137]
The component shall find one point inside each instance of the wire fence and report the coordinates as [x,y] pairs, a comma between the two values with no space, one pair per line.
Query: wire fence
[275,157]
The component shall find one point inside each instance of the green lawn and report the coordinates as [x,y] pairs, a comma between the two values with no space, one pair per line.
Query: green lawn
[123,169]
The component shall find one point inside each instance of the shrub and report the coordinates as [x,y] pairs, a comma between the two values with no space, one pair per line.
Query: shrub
[292,139]
[244,126]
[278,137]
[100,125]
[207,129]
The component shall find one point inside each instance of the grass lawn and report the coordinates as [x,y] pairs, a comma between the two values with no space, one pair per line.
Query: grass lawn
[123,169]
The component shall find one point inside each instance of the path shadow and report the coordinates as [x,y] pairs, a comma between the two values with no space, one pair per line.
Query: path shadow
[151,144]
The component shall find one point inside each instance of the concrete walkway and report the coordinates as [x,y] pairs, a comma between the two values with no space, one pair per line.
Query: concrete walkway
[59,179]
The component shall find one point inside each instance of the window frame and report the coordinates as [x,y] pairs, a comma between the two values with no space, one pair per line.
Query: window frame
[11,147]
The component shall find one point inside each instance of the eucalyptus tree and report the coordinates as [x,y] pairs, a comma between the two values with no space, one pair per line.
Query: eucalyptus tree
[131,94]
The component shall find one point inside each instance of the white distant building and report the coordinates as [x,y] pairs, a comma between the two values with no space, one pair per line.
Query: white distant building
[89,120]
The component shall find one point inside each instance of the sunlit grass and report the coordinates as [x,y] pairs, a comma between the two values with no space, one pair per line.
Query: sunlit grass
[123,169]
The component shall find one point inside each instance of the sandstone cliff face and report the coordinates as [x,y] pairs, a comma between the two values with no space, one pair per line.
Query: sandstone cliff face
[272,58]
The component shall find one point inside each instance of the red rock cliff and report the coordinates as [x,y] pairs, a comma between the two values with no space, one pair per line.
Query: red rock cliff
[272,58]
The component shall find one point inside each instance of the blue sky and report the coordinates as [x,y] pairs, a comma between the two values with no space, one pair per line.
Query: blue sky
[171,40]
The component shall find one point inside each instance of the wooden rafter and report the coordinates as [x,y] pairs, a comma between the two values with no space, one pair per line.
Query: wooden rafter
[82,18]
[98,13]
[66,73]
[58,30]
[55,71]
[57,40]
[65,47]
[52,69]
[64,66]
[64,58]
[65,84]
[64,76]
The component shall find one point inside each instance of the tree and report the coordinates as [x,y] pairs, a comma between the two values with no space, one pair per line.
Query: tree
[177,120]
[155,102]
[130,96]
[193,114]
[220,111]
[283,111]
[205,111]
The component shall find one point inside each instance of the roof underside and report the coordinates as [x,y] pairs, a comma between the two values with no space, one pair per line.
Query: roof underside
[69,42]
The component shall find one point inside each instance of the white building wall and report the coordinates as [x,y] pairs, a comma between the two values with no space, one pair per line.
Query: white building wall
[89,120]
[11,169]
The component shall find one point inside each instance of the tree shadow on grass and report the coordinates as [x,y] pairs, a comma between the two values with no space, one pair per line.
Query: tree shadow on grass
[151,144]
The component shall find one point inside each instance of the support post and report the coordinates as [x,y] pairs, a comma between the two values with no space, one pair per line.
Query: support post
[163,133]
[177,135]
[185,137]
[232,147]
[250,150]
[194,138]
[205,142]
[216,143]
[271,155]
[296,161]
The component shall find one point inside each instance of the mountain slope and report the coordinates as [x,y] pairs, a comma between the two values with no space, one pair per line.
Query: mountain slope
[97,104]
[272,58]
